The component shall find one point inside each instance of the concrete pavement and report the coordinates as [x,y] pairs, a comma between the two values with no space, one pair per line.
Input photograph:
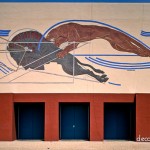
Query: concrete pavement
[74,145]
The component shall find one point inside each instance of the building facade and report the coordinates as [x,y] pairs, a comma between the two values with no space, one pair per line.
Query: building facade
[94,117]
[75,70]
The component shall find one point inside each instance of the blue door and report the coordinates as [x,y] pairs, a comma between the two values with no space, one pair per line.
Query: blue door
[30,120]
[74,121]
[118,121]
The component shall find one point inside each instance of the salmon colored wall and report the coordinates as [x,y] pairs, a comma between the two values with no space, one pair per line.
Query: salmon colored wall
[52,111]
[143,116]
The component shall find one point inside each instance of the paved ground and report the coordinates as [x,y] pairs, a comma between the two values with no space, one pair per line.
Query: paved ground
[74,145]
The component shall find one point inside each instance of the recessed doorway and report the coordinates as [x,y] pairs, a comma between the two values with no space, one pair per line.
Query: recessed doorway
[74,121]
[29,118]
[119,121]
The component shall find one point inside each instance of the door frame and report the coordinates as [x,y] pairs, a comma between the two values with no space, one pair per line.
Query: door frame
[88,104]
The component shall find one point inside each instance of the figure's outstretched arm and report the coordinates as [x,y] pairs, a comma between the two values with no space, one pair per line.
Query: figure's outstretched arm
[67,50]
[60,40]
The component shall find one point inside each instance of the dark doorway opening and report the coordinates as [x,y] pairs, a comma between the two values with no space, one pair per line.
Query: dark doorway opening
[29,119]
[74,121]
[119,121]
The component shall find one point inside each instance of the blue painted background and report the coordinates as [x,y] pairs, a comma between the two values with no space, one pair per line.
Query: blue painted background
[82,1]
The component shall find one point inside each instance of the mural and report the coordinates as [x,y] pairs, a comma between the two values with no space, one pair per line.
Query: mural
[89,55]
[26,43]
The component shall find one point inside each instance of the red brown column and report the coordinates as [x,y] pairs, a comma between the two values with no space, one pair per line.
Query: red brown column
[6,117]
[143,117]
[51,121]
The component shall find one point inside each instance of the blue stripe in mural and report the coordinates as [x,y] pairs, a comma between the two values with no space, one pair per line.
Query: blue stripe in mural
[144,33]
[109,55]
[2,65]
[135,64]
[114,83]
[82,1]
[117,67]
[4,32]
[1,69]
[4,69]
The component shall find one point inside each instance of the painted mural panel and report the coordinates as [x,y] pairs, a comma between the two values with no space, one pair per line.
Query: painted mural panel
[74,48]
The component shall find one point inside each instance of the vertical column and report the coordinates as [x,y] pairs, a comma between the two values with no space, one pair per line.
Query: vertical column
[6,117]
[96,120]
[51,120]
[143,117]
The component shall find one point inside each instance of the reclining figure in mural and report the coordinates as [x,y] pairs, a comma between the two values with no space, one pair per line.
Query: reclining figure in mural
[73,32]
[35,59]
